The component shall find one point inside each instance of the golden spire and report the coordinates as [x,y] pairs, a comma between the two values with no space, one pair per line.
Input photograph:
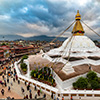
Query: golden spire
[78,16]
[78,29]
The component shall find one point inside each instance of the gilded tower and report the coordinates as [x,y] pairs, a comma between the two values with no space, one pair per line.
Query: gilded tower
[78,29]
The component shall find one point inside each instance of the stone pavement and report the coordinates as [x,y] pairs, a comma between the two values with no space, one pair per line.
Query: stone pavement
[16,89]
[8,94]
[17,93]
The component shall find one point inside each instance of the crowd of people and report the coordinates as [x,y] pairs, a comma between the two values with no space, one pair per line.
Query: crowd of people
[9,72]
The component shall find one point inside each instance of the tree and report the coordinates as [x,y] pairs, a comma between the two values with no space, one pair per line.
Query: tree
[92,76]
[23,66]
[95,84]
[81,83]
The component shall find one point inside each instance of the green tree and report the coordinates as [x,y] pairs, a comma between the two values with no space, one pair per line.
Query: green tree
[95,84]
[23,66]
[92,76]
[81,83]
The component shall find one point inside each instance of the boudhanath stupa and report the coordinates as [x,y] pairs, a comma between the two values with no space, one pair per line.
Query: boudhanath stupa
[81,48]
[74,58]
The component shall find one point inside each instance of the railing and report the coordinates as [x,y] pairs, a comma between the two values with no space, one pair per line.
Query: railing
[76,94]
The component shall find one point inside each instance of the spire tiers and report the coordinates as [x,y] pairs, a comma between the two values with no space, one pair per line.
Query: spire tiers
[78,29]
[78,16]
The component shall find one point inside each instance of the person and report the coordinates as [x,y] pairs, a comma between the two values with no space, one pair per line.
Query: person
[38,92]
[7,80]
[13,79]
[44,96]
[28,87]
[26,96]
[62,98]
[30,90]
[22,89]
[57,98]
[25,82]
[18,81]
[35,88]
[71,98]
[36,96]
[5,84]
[16,77]
[52,95]
[30,95]
[2,91]
[8,88]
[14,74]
[3,76]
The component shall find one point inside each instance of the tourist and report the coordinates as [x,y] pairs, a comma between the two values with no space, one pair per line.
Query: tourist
[3,76]
[22,89]
[28,87]
[35,88]
[62,98]
[14,74]
[5,84]
[13,79]
[30,90]
[8,88]
[38,92]
[18,81]
[44,96]
[7,80]
[30,95]
[2,91]
[16,77]
[71,98]
[25,82]
[36,96]
[52,95]
[57,98]
[26,96]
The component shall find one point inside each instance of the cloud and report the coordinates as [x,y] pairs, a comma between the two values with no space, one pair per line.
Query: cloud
[46,17]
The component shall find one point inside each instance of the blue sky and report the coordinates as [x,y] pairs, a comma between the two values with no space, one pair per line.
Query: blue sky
[47,17]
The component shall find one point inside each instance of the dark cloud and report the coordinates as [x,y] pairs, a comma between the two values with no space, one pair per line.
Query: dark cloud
[55,15]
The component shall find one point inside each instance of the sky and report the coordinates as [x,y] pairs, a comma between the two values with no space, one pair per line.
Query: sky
[47,17]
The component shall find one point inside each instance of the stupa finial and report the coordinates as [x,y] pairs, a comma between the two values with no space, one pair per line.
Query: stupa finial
[78,16]
[78,29]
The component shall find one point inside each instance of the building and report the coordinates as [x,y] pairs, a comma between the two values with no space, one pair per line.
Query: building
[74,58]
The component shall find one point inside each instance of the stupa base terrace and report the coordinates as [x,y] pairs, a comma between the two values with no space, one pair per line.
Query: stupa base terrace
[63,79]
